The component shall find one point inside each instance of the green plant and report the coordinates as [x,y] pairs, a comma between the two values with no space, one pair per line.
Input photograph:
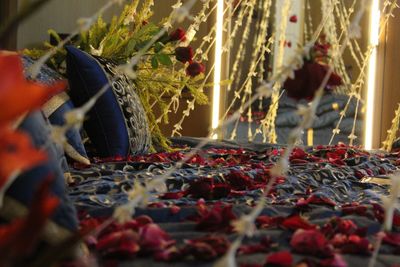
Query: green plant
[159,73]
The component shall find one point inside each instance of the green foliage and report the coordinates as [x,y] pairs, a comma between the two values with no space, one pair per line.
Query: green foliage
[159,75]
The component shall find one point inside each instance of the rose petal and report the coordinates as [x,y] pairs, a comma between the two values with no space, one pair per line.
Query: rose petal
[282,259]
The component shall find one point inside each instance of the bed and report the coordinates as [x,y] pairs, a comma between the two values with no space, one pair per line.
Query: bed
[332,190]
[328,117]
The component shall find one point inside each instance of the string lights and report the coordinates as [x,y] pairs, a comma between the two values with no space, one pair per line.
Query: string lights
[373,42]
[355,91]
[218,66]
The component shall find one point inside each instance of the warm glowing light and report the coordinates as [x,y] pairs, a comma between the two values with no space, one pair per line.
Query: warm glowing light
[217,67]
[374,41]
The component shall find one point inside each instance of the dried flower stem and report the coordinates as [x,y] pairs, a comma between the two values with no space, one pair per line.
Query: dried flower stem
[281,168]
[355,89]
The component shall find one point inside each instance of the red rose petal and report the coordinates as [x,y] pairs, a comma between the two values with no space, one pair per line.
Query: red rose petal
[152,238]
[178,35]
[143,220]
[175,209]
[310,242]
[282,259]
[173,195]
[297,222]
[207,248]
[392,239]
[218,218]
[293,19]
[336,261]
[122,244]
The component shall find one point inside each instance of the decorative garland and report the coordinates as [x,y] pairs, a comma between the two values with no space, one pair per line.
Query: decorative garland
[123,39]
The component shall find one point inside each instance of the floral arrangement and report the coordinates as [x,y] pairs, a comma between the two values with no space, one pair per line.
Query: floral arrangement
[167,68]
[140,236]
[309,77]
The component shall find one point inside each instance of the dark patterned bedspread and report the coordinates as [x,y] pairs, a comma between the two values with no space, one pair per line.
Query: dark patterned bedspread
[324,193]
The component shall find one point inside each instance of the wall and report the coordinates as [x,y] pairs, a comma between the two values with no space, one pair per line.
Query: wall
[8,8]
[387,91]
[60,15]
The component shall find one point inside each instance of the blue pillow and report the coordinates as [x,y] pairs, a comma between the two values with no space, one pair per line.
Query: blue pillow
[21,192]
[75,148]
[117,124]
[55,109]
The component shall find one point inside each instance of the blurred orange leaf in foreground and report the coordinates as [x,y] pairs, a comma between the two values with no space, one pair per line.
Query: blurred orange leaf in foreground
[17,95]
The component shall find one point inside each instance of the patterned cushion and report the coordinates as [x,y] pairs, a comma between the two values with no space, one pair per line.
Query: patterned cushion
[21,192]
[117,124]
[55,109]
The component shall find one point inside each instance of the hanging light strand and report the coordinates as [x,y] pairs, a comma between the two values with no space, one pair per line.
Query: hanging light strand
[356,88]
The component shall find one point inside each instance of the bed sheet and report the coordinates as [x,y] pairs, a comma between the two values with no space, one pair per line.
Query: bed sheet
[324,185]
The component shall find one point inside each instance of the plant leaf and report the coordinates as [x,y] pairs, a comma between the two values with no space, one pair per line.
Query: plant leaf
[158,47]
[164,59]
[154,62]
[54,34]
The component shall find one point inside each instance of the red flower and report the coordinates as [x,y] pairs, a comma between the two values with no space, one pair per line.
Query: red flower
[293,19]
[207,247]
[17,95]
[195,68]
[282,259]
[297,222]
[184,54]
[218,218]
[322,49]
[308,79]
[178,35]
[310,242]
[153,239]
[119,244]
